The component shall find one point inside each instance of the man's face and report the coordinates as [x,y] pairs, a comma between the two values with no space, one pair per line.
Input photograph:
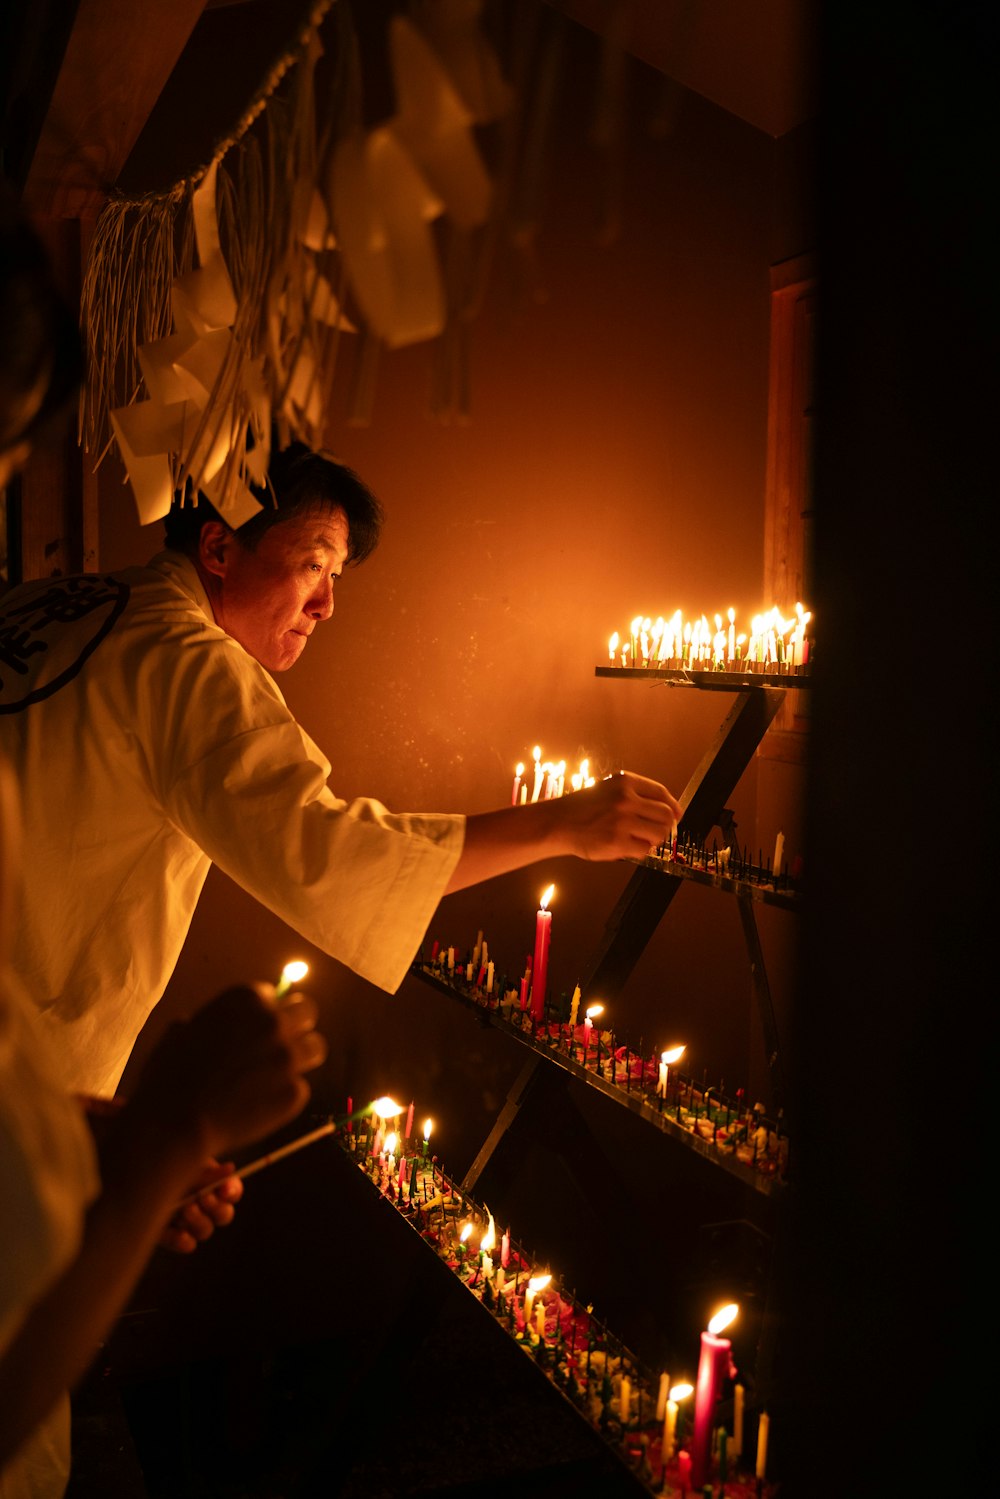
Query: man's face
[272,599]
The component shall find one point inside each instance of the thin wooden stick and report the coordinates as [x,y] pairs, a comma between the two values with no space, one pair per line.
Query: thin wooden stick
[276,1155]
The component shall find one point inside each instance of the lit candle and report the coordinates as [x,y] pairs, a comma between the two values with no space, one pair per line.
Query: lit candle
[714,1365]
[737,1422]
[292,973]
[536,788]
[486,1244]
[540,966]
[535,1284]
[667,1059]
[386,1108]
[428,1126]
[732,633]
[678,1393]
[612,647]
[588,1026]
[763,1426]
[518,773]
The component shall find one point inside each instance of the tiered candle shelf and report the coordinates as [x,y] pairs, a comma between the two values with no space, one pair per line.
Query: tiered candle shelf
[741,1140]
[708,678]
[623,1400]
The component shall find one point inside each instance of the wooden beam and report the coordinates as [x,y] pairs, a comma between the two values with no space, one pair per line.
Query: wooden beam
[118,58]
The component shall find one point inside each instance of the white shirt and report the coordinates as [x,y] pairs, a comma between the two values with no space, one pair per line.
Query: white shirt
[149,744]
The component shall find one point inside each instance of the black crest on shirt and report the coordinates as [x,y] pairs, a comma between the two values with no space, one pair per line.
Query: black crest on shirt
[38,653]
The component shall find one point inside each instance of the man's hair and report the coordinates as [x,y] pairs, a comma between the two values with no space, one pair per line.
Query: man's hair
[39,337]
[298,480]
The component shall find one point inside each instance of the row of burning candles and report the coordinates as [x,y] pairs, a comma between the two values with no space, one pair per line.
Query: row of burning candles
[702,1109]
[715,1364]
[715,1359]
[773,640]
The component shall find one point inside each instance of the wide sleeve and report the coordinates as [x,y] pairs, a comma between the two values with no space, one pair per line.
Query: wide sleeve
[358,881]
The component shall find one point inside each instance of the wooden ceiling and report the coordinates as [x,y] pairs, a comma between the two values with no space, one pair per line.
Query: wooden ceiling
[82,81]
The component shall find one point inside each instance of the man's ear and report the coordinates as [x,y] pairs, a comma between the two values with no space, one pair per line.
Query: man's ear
[213,547]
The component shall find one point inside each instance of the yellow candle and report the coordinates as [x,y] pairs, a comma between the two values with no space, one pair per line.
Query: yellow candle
[737,1420]
[669,1430]
[762,1429]
[625,1399]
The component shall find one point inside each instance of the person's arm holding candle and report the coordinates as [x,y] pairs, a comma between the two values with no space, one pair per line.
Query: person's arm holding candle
[230,1075]
[623,816]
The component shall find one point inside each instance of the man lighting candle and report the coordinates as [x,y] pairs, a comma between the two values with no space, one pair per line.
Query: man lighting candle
[147,720]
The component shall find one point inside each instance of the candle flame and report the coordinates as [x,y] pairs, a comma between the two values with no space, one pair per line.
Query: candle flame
[293,971]
[387,1107]
[543,904]
[391,1141]
[681,1391]
[723,1317]
[489,1238]
[593,1010]
[536,753]
[428,1126]
[613,645]
[538,1283]
[673,1055]
[466,1231]
[519,769]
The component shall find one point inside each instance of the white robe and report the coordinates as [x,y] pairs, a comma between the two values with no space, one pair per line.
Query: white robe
[149,744]
[48,1176]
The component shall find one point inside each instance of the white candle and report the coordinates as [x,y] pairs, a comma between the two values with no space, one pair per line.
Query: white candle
[518,773]
[661,1396]
[535,1284]
[536,788]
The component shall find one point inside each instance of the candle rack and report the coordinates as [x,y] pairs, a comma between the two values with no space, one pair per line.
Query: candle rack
[741,1141]
[706,677]
[607,1385]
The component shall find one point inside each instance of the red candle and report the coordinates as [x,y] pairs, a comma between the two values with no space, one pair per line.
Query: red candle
[684,1470]
[539,968]
[714,1365]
